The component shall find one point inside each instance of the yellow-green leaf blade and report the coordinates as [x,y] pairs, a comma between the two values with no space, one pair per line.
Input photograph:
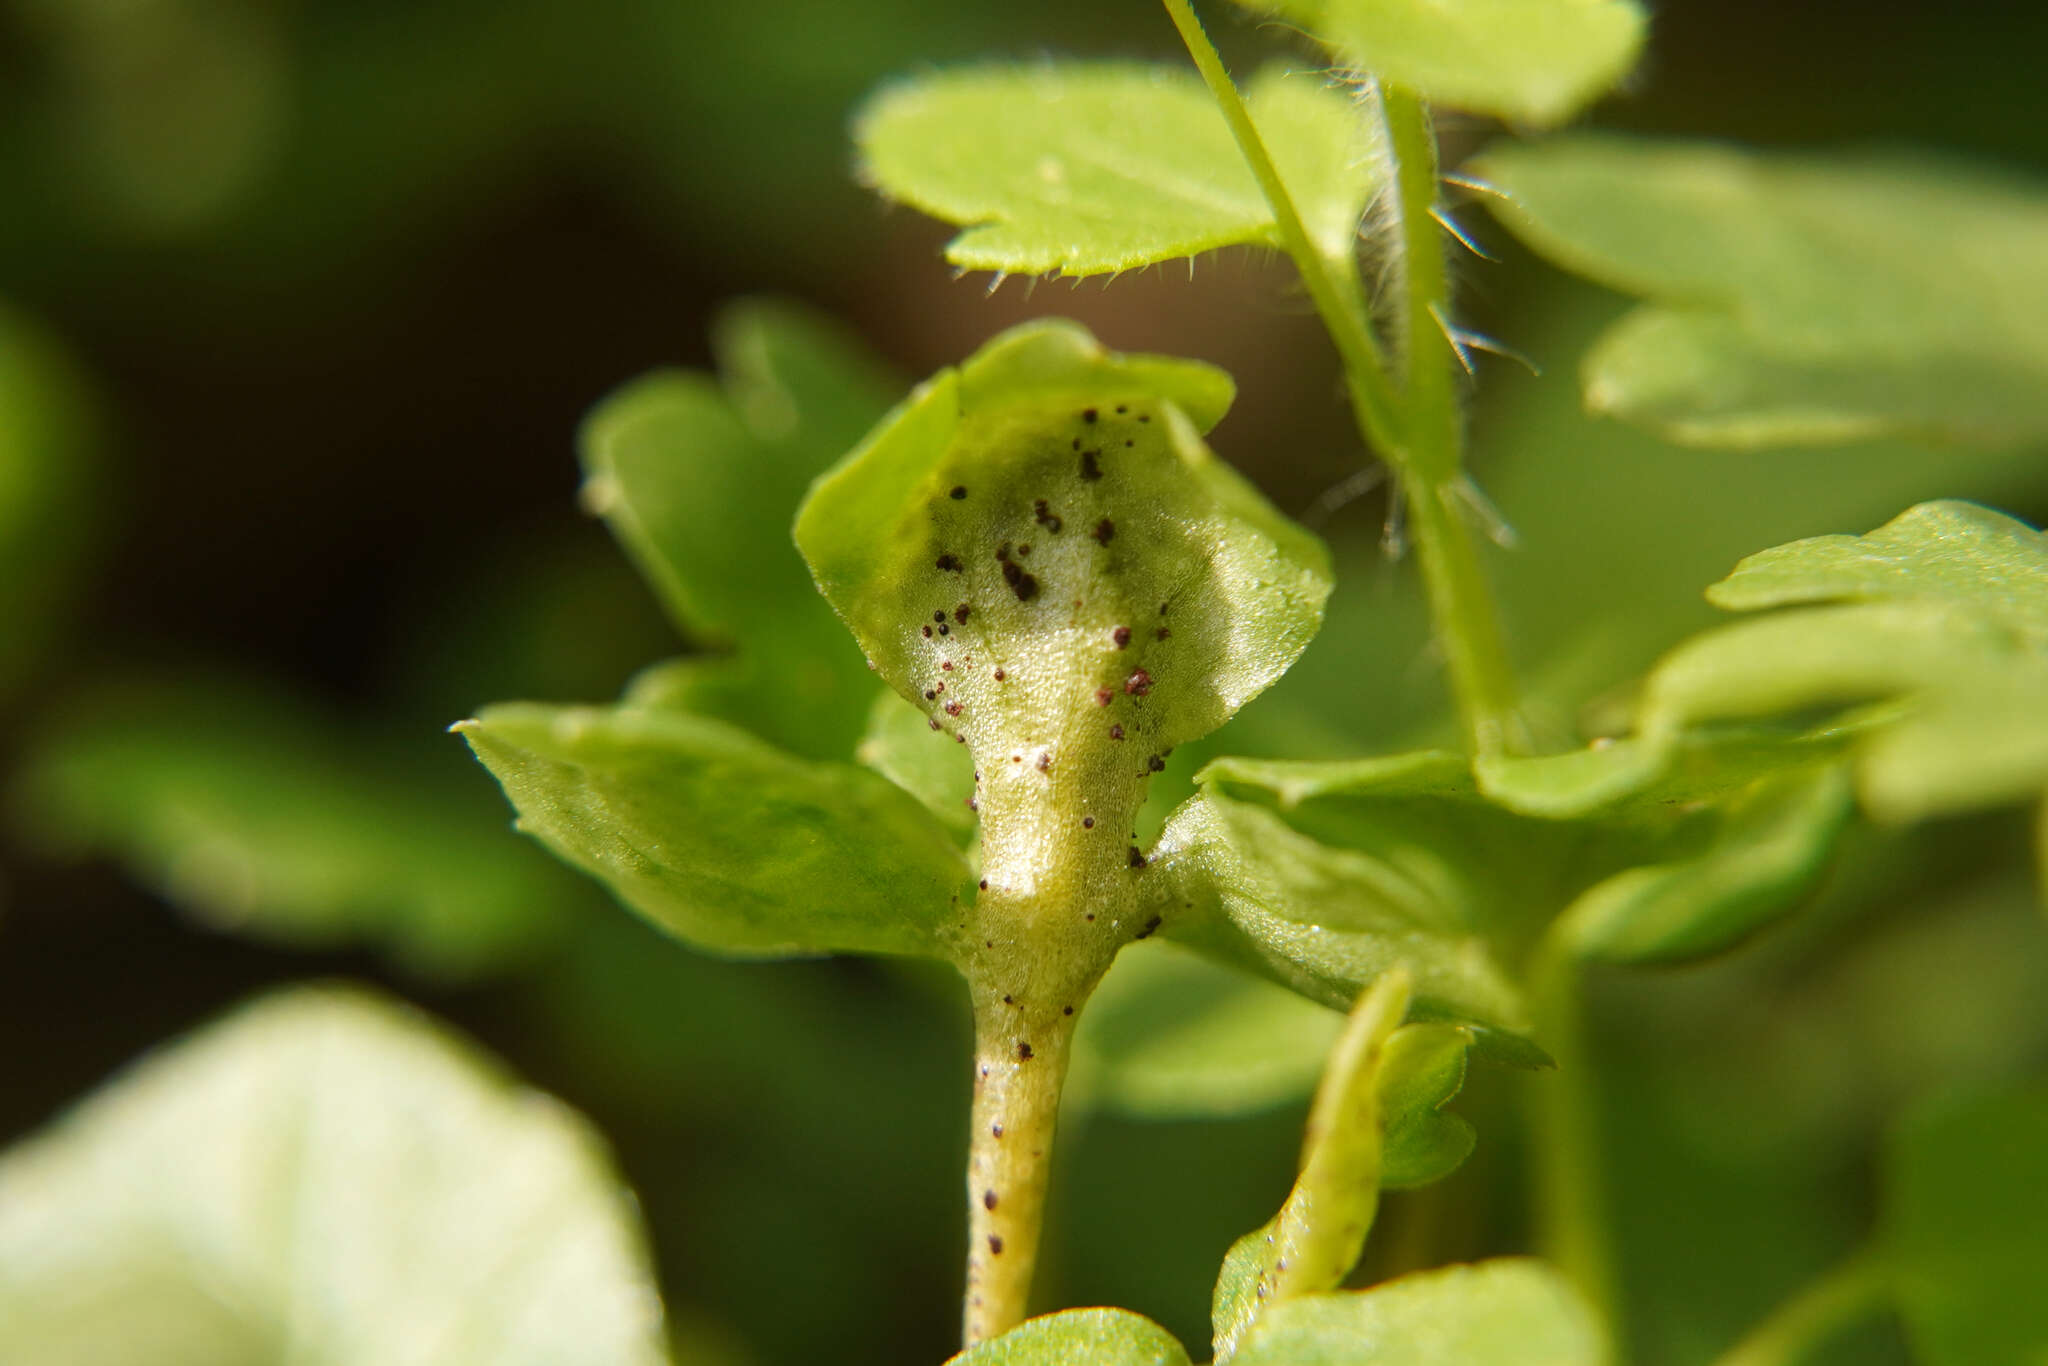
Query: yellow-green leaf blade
[1079,1337]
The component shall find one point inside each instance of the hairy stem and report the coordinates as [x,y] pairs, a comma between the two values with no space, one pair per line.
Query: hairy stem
[1020,1064]
[1852,1290]
[1571,1204]
[1416,430]
[1461,604]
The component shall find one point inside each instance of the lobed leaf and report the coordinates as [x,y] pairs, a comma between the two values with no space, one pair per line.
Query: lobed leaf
[1093,168]
[723,840]
[1422,1070]
[1536,62]
[322,1173]
[1079,1337]
[1796,299]
[1505,1312]
[1966,1217]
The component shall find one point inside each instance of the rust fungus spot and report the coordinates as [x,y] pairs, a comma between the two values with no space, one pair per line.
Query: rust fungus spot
[1155,763]
[961,613]
[1089,469]
[927,633]
[953,709]
[1150,926]
[1105,531]
[1009,1001]
[1137,859]
[1067,1011]
[950,563]
[1144,417]
[999,675]
[933,724]
[1163,606]
[938,616]
[984,884]
[948,664]
[1162,634]
[988,1199]
[1123,408]
[1102,696]
[1044,761]
[1087,822]
[931,694]
[1129,442]
[944,630]
[1045,516]
[1116,732]
[1023,1051]
[995,1130]
[1137,685]
[995,1246]
[1122,636]
[959,492]
[1090,917]
[1089,414]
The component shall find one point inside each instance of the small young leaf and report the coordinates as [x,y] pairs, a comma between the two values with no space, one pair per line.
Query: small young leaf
[1315,1239]
[1422,1071]
[1768,852]
[1087,169]
[1506,1312]
[259,816]
[1171,1035]
[321,1172]
[1796,299]
[724,841]
[902,746]
[1536,62]
[1079,1337]
[1966,1219]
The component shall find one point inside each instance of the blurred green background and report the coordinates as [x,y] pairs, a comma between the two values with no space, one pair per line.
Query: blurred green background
[300,304]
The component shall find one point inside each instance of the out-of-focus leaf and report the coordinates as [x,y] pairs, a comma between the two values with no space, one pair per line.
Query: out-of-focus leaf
[1170,1034]
[1087,169]
[1966,1220]
[1038,550]
[321,1172]
[1322,920]
[1535,62]
[699,479]
[1944,609]
[48,452]
[722,840]
[1796,299]
[263,818]
[1763,859]
[1506,1312]
[904,747]
[1314,1241]
[1422,1071]
[1080,1337]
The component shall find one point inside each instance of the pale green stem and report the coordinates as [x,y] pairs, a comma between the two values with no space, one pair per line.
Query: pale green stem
[1853,1290]
[1571,1202]
[1417,431]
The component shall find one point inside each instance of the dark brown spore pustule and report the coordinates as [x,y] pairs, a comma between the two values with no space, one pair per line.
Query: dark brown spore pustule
[1155,763]
[1116,732]
[1151,924]
[959,492]
[1023,1052]
[999,675]
[1102,696]
[1105,531]
[1139,683]
[1137,858]
[1162,634]
[995,1246]
[988,1199]
[1089,415]
[1087,822]
[1045,516]
[950,563]
[1044,762]
[1089,468]
[953,709]
[961,613]
[1122,636]
[927,633]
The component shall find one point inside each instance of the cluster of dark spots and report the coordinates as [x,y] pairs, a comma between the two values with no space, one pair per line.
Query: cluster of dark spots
[1116,732]
[1162,634]
[950,563]
[1102,696]
[1044,761]
[1105,532]
[1021,583]
[1089,468]
[1137,859]
[959,492]
[988,1199]
[1151,924]
[1023,1051]
[1138,684]
[1089,414]
[1122,636]
[995,1246]
[953,709]
[1156,764]
[1087,822]
[1045,516]
[998,675]
[961,613]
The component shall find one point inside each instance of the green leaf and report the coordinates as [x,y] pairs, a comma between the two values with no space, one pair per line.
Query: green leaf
[1171,1035]
[321,1173]
[1322,920]
[1506,1312]
[1793,298]
[904,747]
[1422,1071]
[699,479]
[1315,1239]
[1766,856]
[261,817]
[1088,169]
[1944,611]
[1535,62]
[1966,1217]
[1079,1337]
[722,840]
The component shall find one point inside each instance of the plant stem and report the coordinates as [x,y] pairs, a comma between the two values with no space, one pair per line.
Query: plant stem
[1571,1205]
[1020,1064]
[1853,1289]
[1417,431]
